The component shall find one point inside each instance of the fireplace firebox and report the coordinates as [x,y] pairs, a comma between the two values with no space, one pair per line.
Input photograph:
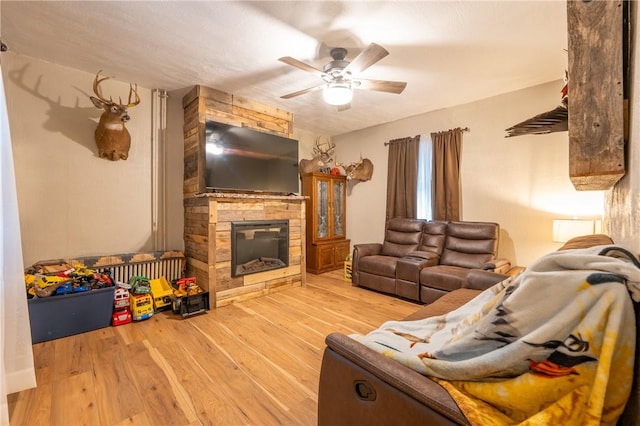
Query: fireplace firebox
[259,245]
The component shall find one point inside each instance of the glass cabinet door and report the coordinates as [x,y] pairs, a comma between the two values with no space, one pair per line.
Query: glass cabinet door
[322,208]
[338,208]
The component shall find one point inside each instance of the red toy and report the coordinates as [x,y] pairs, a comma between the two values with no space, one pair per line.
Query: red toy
[122,311]
[335,171]
[121,316]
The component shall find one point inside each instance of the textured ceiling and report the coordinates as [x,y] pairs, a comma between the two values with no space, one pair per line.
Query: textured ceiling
[449,52]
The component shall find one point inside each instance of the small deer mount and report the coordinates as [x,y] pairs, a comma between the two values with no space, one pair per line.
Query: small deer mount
[361,170]
[322,157]
[112,137]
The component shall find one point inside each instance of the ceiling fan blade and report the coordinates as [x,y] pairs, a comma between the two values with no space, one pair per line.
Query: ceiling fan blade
[381,85]
[344,107]
[302,92]
[369,56]
[301,65]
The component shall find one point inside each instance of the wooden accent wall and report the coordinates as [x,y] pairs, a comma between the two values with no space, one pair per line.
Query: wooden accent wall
[204,104]
[596,93]
[208,244]
[208,217]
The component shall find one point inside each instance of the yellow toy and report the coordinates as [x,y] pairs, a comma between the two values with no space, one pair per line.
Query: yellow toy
[141,306]
[43,285]
[162,293]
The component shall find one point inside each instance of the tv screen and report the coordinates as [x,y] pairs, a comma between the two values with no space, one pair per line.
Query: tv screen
[242,159]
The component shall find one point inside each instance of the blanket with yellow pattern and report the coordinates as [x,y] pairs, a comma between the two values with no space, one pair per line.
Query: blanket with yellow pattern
[554,345]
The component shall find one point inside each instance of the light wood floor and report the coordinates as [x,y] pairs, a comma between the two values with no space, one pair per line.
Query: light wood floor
[255,362]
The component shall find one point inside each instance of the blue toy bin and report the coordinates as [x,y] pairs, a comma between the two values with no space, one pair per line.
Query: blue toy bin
[54,317]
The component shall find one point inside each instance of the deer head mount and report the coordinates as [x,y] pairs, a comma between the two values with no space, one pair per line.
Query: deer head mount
[322,156]
[324,150]
[360,170]
[112,137]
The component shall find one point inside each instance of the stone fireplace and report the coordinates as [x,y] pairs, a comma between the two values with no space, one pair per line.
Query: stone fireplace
[212,219]
[259,245]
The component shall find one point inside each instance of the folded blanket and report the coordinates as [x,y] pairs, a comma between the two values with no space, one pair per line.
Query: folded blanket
[554,345]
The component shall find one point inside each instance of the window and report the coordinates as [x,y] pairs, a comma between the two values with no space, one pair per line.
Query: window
[424,178]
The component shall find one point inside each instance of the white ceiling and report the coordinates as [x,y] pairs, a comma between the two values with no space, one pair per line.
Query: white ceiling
[449,52]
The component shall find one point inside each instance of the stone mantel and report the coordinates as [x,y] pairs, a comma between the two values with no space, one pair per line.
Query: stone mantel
[249,196]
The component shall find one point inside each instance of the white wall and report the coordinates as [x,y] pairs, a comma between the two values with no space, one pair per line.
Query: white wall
[521,182]
[71,202]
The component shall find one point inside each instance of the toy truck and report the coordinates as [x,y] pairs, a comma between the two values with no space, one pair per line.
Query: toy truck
[189,298]
[121,316]
[162,294]
[141,306]
[139,284]
[121,298]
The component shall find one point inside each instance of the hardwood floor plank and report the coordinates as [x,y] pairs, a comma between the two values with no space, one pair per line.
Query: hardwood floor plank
[113,379]
[209,401]
[254,362]
[74,398]
[154,388]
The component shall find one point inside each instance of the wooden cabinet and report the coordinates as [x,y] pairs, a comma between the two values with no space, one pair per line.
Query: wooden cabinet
[327,246]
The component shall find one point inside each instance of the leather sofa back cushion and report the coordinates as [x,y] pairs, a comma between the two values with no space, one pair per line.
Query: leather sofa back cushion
[402,237]
[587,241]
[470,244]
[433,236]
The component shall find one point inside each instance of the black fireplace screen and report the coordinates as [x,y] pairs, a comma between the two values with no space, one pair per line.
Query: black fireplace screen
[258,246]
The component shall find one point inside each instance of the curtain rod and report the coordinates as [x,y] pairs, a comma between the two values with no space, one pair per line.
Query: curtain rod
[462,129]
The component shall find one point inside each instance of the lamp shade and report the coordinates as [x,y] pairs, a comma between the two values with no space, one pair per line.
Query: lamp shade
[566,229]
[338,93]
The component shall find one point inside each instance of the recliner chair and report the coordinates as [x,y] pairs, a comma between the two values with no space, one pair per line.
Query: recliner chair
[467,246]
[374,264]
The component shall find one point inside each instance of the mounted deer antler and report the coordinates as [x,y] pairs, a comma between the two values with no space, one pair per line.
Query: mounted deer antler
[326,153]
[112,137]
[360,170]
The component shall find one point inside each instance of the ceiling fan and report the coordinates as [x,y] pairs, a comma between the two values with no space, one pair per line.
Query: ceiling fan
[339,77]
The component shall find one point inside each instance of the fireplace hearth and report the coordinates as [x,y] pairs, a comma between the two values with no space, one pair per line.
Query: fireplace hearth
[259,245]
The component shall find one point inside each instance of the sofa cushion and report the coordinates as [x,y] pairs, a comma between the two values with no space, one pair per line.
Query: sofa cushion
[445,304]
[470,244]
[444,277]
[433,236]
[402,236]
[585,241]
[379,265]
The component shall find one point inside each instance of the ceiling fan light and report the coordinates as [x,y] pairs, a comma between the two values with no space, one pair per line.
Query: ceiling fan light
[338,94]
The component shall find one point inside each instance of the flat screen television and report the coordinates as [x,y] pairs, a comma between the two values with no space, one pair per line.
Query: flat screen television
[241,159]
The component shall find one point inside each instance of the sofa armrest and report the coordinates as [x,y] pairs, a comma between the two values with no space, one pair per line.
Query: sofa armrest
[479,279]
[395,375]
[360,251]
[369,249]
[430,256]
[500,266]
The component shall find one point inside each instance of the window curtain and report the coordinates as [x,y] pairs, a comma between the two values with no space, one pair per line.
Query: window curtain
[402,177]
[447,149]
[16,364]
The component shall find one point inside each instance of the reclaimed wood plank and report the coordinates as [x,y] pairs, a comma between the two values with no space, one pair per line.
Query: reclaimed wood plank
[596,111]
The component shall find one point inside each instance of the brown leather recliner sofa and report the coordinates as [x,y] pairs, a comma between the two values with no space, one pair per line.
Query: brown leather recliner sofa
[361,386]
[423,260]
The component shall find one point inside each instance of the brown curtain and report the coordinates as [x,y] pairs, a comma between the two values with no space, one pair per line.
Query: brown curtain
[447,148]
[402,178]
